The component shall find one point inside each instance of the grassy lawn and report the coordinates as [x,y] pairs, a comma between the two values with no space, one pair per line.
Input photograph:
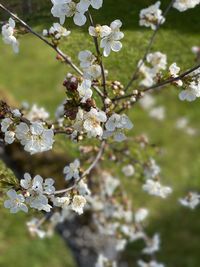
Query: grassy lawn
[34,75]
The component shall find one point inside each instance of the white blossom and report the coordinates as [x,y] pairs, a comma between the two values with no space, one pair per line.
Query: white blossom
[190,201]
[37,113]
[59,9]
[5,123]
[35,138]
[152,170]
[84,90]
[33,227]
[147,101]
[141,214]
[157,113]
[183,5]
[62,202]
[86,58]
[100,31]
[117,121]
[92,122]
[151,16]
[155,188]
[152,245]
[72,171]
[110,184]
[85,4]
[8,35]
[75,10]
[78,204]
[112,41]
[128,170]
[9,137]
[157,60]
[174,71]
[58,31]
[15,202]
[191,92]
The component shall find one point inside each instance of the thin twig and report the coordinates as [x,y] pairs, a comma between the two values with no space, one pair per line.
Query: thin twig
[149,47]
[64,57]
[59,52]
[86,172]
[161,84]
[99,56]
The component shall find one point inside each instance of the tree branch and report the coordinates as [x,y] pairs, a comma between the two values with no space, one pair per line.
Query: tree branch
[152,39]
[86,172]
[64,57]
[99,56]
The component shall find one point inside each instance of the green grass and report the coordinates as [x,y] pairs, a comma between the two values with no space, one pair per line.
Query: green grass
[36,76]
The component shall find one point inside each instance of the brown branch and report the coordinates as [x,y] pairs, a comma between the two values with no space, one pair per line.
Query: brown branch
[161,84]
[64,57]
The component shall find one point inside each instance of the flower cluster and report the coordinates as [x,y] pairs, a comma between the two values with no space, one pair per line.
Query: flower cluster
[110,36]
[156,62]
[8,31]
[57,31]
[151,16]
[69,8]
[152,184]
[88,63]
[115,125]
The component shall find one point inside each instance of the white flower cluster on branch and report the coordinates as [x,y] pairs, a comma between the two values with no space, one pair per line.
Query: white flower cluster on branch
[96,107]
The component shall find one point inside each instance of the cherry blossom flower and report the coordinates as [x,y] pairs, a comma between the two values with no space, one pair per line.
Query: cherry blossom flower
[151,16]
[9,137]
[174,71]
[62,202]
[72,171]
[33,227]
[86,58]
[87,63]
[8,35]
[5,123]
[141,215]
[15,202]
[78,204]
[157,60]
[147,101]
[112,41]
[183,5]
[35,138]
[59,9]
[37,113]
[157,113]
[190,201]
[191,92]
[155,188]
[84,4]
[84,90]
[75,10]
[153,245]
[100,31]
[57,31]
[128,170]
[152,170]
[92,122]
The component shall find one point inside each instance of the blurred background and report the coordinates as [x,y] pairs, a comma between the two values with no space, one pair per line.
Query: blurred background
[35,76]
